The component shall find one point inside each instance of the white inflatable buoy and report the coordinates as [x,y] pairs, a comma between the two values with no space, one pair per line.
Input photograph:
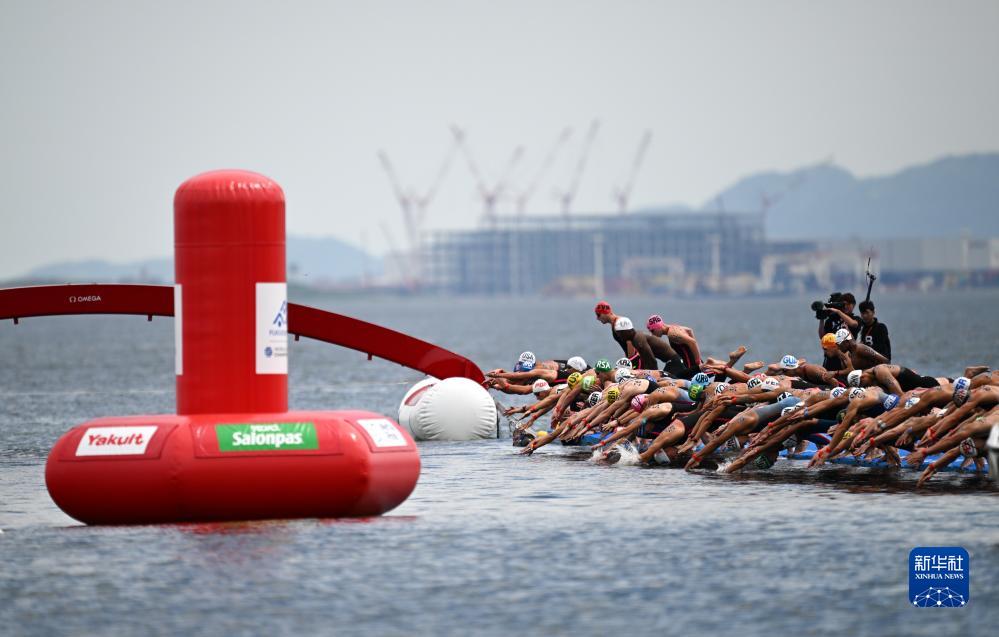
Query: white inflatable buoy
[449,409]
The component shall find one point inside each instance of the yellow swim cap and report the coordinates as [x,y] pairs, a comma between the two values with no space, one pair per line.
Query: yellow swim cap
[541,433]
[829,341]
[573,379]
[612,394]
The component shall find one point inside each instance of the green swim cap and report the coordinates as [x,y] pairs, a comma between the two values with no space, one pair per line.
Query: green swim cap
[696,392]
[589,382]
[603,365]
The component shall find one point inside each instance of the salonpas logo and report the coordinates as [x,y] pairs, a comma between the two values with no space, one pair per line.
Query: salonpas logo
[267,436]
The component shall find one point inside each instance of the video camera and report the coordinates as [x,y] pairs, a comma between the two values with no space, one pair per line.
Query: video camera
[822,309]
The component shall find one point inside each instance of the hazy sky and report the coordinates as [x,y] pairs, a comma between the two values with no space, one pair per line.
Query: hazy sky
[108,106]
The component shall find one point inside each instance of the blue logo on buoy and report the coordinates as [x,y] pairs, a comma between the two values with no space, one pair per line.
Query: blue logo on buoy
[939,577]
[268,352]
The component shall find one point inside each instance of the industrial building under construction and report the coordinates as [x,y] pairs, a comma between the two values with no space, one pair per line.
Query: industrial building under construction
[652,251]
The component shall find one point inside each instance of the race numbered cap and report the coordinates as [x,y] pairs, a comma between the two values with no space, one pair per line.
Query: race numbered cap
[700,378]
[612,394]
[789,362]
[853,378]
[540,385]
[962,387]
[589,382]
[594,398]
[912,402]
[603,365]
[654,321]
[577,363]
[638,402]
[573,379]
[623,323]
[695,391]
[624,363]
[621,373]
[857,393]
[843,334]
[891,402]
[837,392]
[828,341]
[771,384]
[603,307]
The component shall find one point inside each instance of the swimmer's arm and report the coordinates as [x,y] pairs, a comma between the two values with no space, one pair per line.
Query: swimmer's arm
[565,399]
[937,465]
[501,384]
[531,376]
[734,374]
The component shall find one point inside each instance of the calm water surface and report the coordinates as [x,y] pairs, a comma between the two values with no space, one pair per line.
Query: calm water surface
[492,542]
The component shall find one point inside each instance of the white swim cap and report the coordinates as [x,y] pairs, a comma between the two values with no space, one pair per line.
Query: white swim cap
[857,393]
[577,363]
[837,392]
[789,362]
[624,363]
[771,384]
[623,323]
[621,373]
[721,388]
[787,410]
[962,385]
[853,378]
[754,381]
[843,334]
[913,400]
[594,398]
[540,385]
[785,396]
[527,357]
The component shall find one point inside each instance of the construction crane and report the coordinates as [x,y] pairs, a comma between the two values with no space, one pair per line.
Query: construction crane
[567,196]
[623,194]
[525,195]
[490,194]
[414,205]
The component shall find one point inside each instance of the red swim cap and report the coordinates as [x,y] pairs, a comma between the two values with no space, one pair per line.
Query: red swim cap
[603,307]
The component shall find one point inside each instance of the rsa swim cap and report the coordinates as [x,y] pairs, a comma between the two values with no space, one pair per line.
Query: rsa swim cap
[828,341]
[695,391]
[540,385]
[589,382]
[638,402]
[594,398]
[612,394]
[603,307]
[654,321]
[603,365]
[623,323]
[624,363]
[577,363]
[853,378]
[621,373]
[573,379]
[789,362]
[962,385]
[843,334]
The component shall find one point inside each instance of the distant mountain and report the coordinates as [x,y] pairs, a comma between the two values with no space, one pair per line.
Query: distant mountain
[944,198]
[310,261]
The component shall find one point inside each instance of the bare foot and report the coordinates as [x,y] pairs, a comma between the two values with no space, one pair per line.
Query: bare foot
[975,370]
[752,367]
[733,357]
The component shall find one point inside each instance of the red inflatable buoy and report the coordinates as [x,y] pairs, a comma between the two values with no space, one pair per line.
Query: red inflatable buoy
[233,452]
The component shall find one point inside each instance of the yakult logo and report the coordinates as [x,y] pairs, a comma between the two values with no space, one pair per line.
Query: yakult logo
[115,441]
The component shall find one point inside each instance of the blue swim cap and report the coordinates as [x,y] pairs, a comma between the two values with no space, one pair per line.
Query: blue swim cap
[890,402]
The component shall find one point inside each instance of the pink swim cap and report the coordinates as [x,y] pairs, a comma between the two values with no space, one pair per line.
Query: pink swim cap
[654,320]
[638,402]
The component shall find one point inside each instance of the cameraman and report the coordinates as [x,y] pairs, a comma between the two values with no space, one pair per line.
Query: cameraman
[873,333]
[835,315]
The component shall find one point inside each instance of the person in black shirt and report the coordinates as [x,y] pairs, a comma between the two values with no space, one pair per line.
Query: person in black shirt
[873,333]
[837,320]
